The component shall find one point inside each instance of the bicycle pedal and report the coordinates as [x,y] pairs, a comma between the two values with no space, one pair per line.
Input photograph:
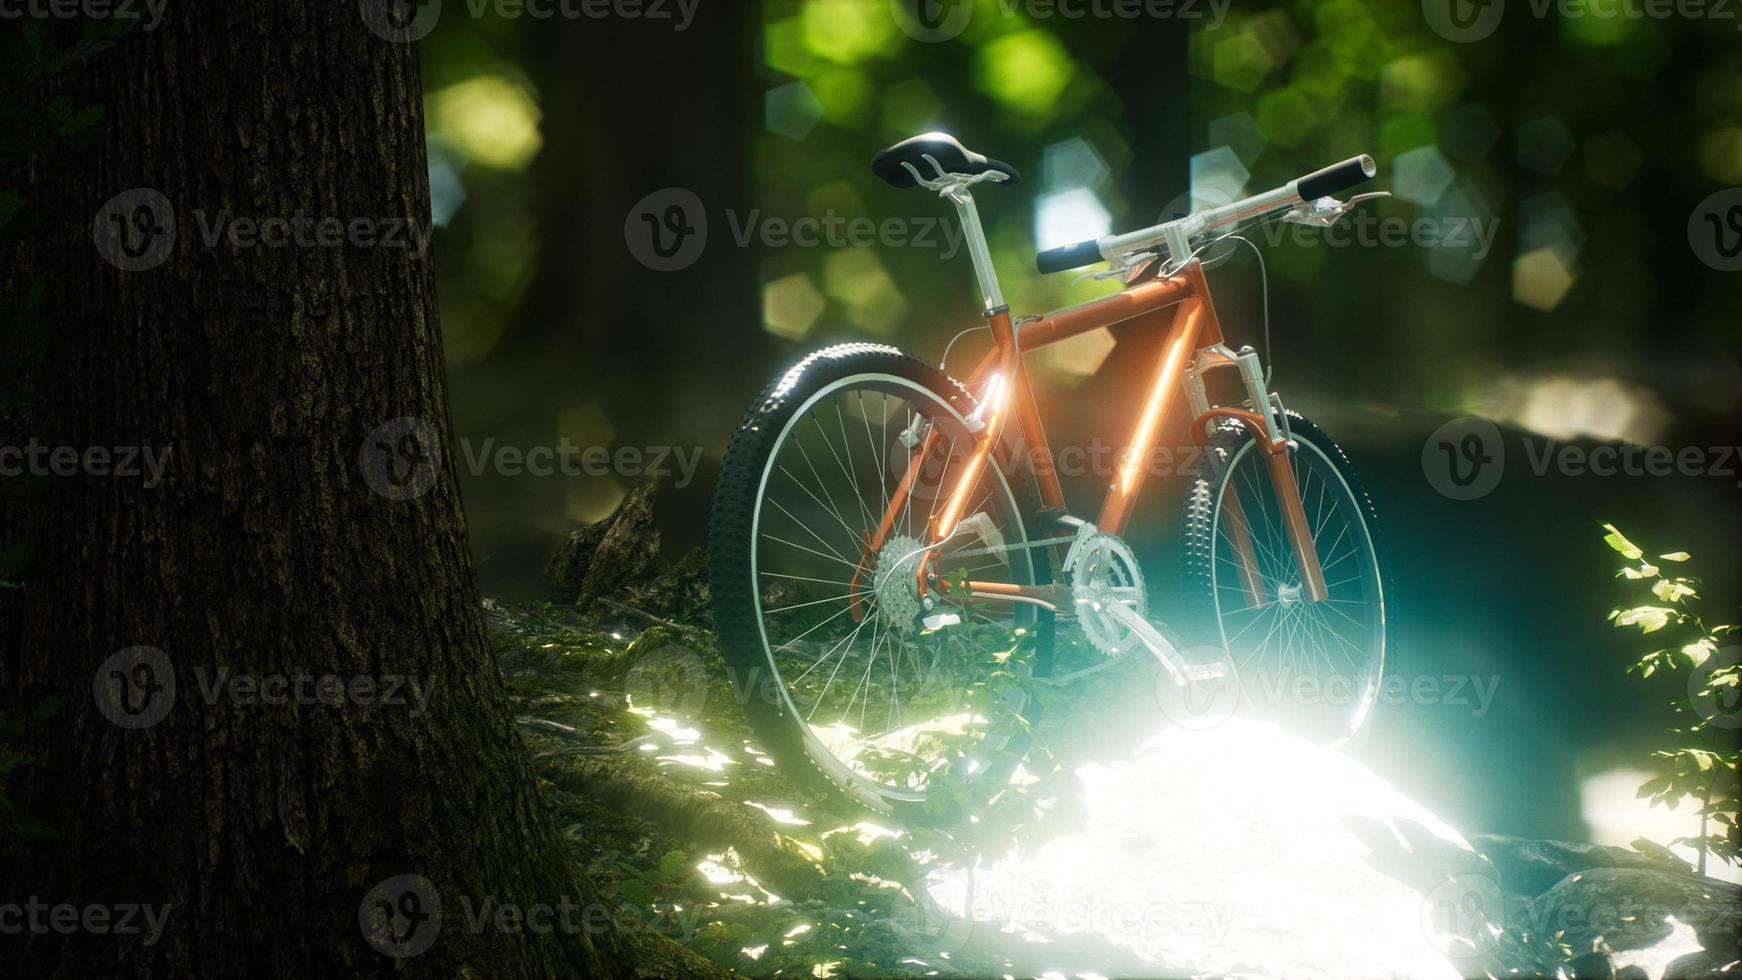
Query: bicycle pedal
[1204,672]
[938,620]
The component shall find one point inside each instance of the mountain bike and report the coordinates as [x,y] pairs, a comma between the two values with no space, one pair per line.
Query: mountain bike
[886,540]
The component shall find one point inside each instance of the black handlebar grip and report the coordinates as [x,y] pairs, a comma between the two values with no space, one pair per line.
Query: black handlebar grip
[1069,256]
[1336,177]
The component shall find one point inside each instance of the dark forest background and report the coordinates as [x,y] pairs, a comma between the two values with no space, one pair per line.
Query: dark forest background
[1584,144]
[562,151]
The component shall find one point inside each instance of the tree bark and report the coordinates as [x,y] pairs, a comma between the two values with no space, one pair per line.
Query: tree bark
[289,536]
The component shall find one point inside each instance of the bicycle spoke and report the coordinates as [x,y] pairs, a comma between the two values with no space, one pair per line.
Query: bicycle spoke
[1290,638]
[812,551]
[872,690]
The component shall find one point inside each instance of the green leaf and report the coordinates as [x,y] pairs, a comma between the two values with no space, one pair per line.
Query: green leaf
[1651,786]
[1699,650]
[1671,590]
[674,865]
[1676,556]
[1616,540]
[636,892]
[1649,619]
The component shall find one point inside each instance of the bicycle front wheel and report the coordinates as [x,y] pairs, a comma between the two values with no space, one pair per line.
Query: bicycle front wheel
[897,695]
[1313,667]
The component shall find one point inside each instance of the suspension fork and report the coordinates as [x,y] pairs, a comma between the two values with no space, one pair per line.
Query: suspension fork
[1278,451]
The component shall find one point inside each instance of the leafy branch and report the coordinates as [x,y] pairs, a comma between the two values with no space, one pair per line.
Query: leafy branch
[1703,765]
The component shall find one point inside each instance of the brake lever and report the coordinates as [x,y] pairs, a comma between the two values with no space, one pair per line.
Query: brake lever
[1325,211]
[1119,270]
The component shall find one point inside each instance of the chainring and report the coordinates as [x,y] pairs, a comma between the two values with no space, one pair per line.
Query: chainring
[1102,570]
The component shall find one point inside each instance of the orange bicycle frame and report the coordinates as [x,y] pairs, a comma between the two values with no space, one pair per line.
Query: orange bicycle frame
[1181,302]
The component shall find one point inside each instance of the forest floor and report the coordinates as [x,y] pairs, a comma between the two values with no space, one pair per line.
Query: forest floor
[1167,848]
[686,823]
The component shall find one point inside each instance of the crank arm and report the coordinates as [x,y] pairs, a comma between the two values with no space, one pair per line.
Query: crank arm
[1182,671]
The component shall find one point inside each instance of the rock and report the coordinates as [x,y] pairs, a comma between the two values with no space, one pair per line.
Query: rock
[679,593]
[1592,966]
[1620,909]
[1530,867]
[1703,965]
[610,556]
[567,567]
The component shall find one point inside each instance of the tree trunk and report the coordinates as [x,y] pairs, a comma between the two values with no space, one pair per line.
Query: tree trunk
[289,536]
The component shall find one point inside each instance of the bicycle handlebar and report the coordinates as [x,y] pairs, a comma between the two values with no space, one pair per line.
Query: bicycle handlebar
[1336,177]
[1069,256]
[1177,234]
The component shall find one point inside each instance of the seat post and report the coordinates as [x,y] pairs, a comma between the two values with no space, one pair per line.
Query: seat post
[975,236]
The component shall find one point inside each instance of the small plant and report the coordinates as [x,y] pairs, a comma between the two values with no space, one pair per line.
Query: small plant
[1703,764]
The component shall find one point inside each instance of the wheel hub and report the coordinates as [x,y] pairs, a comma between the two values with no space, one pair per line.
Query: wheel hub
[893,582]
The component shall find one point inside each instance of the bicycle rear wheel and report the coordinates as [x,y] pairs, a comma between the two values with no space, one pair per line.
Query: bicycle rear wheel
[864,693]
[1314,667]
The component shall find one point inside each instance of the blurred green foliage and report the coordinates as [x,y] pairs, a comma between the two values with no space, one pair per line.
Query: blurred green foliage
[1564,155]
